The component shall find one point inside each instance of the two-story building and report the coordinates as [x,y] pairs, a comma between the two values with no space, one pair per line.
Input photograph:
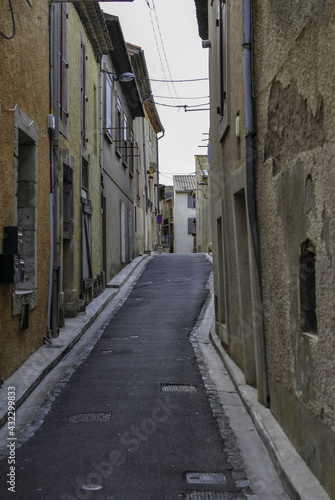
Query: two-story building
[149,131]
[78,38]
[184,213]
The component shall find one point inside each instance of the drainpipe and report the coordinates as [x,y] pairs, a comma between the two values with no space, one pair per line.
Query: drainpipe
[158,190]
[53,330]
[250,132]
[145,212]
[260,346]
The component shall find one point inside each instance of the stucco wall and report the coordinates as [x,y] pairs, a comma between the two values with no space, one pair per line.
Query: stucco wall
[183,240]
[24,85]
[236,300]
[294,89]
[76,33]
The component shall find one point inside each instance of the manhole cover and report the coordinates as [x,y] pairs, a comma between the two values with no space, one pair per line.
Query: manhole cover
[211,495]
[178,388]
[90,417]
[206,478]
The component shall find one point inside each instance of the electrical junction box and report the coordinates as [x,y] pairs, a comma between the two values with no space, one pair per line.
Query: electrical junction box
[11,259]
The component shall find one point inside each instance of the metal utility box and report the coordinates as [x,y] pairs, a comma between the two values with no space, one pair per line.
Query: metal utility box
[11,259]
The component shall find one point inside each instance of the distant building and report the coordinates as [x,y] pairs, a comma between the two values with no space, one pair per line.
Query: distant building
[203,222]
[184,213]
[167,212]
[148,130]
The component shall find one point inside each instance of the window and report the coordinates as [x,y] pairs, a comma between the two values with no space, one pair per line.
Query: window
[67,201]
[109,105]
[64,66]
[190,226]
[190,201]
[84,179]
[125,140]
[118,126]
[83,93]
[131,154]
[223,66]
[308,318]
[26,147]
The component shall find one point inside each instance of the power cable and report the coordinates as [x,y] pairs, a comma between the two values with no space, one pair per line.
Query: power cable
[164,51]
[159,51]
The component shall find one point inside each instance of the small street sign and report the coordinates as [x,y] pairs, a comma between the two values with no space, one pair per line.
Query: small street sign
[159,219]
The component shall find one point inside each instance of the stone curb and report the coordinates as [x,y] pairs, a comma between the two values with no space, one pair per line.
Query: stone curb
[297,479]
[26,378]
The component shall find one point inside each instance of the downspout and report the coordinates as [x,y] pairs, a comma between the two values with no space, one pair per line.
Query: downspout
[250,132]
[145,212]
[101,160]
[52,35]
[54,89]
[260,345]
[158,190]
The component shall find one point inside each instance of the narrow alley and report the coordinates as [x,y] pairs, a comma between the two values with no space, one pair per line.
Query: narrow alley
[137,419]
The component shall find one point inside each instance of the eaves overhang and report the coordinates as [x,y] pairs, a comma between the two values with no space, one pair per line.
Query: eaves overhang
[122,65]
[140,69]
[92,18]
[202,17]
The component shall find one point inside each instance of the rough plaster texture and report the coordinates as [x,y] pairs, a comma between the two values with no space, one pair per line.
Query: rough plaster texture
[183,241]
[227,178]
[24,69]
[294,90]
[76,32]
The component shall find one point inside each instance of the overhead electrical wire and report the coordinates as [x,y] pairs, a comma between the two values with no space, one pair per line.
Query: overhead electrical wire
[163,47]
[181,105]
[182,98]
[159,50]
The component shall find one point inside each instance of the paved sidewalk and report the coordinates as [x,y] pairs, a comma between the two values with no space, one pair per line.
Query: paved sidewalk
[42,361]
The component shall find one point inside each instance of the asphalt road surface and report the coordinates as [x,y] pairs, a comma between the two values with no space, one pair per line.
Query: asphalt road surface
[133,422]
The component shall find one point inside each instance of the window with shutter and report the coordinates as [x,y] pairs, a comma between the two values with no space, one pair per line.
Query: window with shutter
[109,105]
[223,66]
[190,225]
[83,93]
[64,65]
[125,141]
[190,201]
[118,127]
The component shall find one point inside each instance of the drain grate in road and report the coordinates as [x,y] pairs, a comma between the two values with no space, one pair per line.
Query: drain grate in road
[90,417]
[206,478]
[212,495]
[178,388]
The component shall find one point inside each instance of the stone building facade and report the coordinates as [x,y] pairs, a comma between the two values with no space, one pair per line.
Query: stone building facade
[271,183]
[295,122]
[24,180]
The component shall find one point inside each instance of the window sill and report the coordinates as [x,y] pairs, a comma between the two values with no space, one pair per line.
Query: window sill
[108,136]
[312,336]
[117,153]
[22,297]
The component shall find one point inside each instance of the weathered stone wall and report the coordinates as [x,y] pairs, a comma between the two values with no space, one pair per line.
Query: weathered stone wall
[295,121]
[24,87]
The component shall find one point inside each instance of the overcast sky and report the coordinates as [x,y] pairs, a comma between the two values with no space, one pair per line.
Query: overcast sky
[148,23]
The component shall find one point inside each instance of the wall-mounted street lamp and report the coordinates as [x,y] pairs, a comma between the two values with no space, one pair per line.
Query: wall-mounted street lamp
[124,77]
